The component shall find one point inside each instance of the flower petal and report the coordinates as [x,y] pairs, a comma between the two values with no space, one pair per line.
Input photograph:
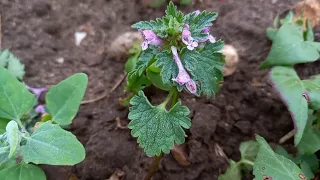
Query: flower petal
[191,86]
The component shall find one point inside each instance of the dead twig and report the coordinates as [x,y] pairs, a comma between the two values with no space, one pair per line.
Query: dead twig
[287,136]
[119,125]
[106,93]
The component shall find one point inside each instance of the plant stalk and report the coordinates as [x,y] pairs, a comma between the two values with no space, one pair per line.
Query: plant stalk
[173,96]
[244,161]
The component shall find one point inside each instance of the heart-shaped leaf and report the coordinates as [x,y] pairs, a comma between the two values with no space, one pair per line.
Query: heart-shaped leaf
[63,100]
[22,172]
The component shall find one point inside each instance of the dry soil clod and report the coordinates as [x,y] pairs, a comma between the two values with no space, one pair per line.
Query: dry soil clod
[232,60]
[308,9]
[120,46]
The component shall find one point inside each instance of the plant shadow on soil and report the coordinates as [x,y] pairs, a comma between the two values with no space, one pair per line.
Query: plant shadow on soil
[39,32]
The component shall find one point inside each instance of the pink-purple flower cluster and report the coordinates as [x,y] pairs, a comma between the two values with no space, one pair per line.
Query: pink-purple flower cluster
[150,38]
[37,92]
[183,77]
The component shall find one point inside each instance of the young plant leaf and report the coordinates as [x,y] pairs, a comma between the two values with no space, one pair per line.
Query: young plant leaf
[308,33]
[312,88]
[169,69]
[12,63]
[205,67]
[305,168]
[63,100]
[145,59]
[156,80]
[50,144]
[3,125]
[270,165]
[158,26]
[290,87]
[249,150]
[288,19]
[173,11]
[135,82]
[310,142]
[289,48]
[14,97]
[13,136]
[22,172]
[233,172]
[311,160]
[156,128]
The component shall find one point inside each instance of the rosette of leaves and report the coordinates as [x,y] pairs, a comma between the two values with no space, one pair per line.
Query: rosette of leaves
[156,127]
[48,143]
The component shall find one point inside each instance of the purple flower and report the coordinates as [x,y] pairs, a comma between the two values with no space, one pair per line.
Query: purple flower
[150,38]
[40,109]
[36,91]
[197,12]
[209,38]
[187,39]
[183,77]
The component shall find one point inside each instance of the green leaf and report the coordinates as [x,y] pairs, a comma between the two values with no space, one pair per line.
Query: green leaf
[158,26]
[22,172]
[233,172]
[13,136]
[131,63]
[276,22]
[198,23]
[283,152]
[185,2]
[173,11]
[156,128]
[311,160]
[3,125]
[156,80]
[306,170]
[12,63]
[273,166]
[249,150]
[4,154]
[145,60]
[14,97]
[63,100]
[288,19]
[169,69]
[205,67]
[290,87]
[308,34]
[50,144]
[271,33]
[312,88]
[289,48]
[136,83]
[310,142]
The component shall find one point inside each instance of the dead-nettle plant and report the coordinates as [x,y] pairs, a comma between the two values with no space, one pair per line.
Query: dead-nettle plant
[292,43]
[22,148]
[178,52]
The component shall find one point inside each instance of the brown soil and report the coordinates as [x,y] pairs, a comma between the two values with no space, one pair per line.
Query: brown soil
[39,32]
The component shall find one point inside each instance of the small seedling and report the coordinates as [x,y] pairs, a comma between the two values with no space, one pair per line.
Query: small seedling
[21,149]
[178,53]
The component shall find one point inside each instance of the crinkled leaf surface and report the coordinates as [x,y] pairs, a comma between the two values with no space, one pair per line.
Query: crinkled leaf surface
[289,48]
[169,69]
[13,136]
[291,89]
[173,11]
[205,67]
[145,59]
[22,172]
[156,128]
[233,172]
[15,99]
[12,63]
[274,166]
[63,100]
[50,144]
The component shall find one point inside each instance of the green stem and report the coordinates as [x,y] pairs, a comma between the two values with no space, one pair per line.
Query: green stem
[173,96]
[21,125]
[244,161]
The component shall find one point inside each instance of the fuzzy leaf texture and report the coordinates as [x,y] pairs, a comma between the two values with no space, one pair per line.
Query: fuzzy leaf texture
[289,47]
[63,100]
[198,23]
[23,172]
[12,63]
[270,165]
[205,67]
[13,137]
[169,69]
[156,128]
[50,144]
[15,99]
[173,11]
[291,89]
